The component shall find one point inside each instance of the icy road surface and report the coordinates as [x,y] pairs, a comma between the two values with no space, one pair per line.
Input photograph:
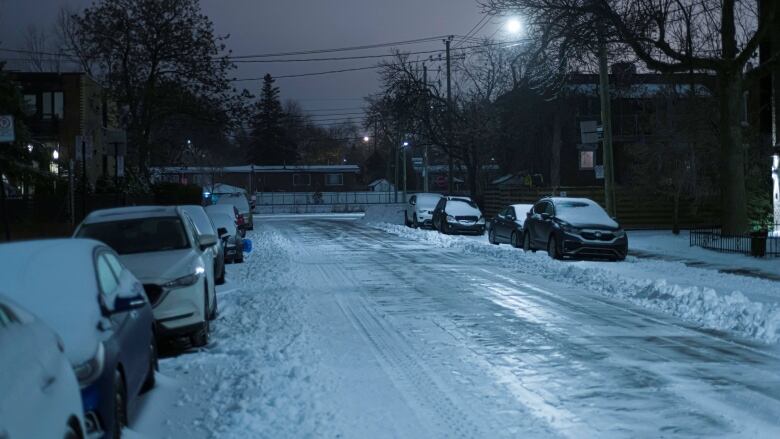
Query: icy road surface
[336,329]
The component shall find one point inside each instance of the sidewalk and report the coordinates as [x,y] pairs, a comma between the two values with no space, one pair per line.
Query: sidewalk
[665,246]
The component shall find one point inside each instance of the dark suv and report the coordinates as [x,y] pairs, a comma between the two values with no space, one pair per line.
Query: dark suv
[458,215]
[574,227]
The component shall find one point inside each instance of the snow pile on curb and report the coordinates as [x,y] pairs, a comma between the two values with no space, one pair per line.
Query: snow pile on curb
[254,378]
[385,213]
[703,306]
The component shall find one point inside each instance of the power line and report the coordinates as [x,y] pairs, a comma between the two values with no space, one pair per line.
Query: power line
[340,49]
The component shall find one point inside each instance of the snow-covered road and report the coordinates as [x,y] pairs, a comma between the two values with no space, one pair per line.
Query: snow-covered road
[336,329]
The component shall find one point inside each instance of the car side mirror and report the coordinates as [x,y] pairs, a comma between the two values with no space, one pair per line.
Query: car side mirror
[124,304]
[222,232]
[206,241]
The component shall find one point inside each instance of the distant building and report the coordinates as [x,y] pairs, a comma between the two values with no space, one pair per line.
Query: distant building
[70,113]
[298,178]
[381,185]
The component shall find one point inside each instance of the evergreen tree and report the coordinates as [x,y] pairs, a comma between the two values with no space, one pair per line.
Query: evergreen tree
[271,144]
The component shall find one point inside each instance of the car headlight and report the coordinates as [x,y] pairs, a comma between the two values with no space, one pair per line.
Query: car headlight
[481,220]
[90,370]
[450,219]
[620,233]
[186,281]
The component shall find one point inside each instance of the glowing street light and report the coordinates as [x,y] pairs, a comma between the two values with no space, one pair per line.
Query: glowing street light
[366,139]
[514,26]
[55,155]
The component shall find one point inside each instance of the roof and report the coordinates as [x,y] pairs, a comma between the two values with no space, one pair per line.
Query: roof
[379,181]
[247,169]
[557,200]
[55,279]
[221,188]
[128,213]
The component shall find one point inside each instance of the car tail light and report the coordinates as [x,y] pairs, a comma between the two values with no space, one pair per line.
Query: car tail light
[240,220]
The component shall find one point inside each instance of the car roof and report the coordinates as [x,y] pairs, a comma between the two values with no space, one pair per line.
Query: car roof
[129,213]
[522,206]
[452,198]
[556,200]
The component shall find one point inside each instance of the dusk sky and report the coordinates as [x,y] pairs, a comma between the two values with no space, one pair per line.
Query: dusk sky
[257,27]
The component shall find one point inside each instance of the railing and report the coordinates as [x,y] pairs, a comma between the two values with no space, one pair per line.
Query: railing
[321,202]
[758,244]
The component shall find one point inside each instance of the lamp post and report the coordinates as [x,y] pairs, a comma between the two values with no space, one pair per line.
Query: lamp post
[405,146]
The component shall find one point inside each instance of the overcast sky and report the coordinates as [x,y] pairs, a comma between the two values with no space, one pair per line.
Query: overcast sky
[263,26]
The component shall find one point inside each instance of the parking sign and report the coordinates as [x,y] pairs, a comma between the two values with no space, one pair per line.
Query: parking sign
[7,129]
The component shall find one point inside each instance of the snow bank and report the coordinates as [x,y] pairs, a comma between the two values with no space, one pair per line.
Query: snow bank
[700,305]
[254,378]
[385,214]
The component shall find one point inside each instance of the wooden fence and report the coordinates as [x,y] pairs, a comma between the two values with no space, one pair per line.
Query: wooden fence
[635,209]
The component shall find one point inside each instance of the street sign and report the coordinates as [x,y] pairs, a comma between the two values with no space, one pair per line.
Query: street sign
[441,181]
[417,161]
[7,129]
[599,170]
[590,132]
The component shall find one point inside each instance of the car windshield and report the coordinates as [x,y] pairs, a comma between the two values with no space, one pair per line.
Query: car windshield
[139,235]
[582,212]
[462,207]
[427,201]
[201,220]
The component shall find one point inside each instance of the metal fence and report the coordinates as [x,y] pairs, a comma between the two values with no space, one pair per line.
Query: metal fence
[758,244]
[320,202]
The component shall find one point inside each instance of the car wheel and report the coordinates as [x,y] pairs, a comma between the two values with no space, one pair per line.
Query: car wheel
[515,240]
[201,336]
[221,279]
[120,406]
[527,243]
[71,432]
[214,309]
[552,248]
[407,223]
[492,236]
[154,366]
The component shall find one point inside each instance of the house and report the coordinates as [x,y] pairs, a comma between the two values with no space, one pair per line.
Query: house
[381,185]
[297,178]
[70,115]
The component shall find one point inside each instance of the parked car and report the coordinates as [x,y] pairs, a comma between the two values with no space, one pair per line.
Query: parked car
[458,215]
[419,210]
[205,227]
[574,227]
[99,310]
[229,235]
[232,211]
[161,246]
[240,201]
[508,225]
[40,396]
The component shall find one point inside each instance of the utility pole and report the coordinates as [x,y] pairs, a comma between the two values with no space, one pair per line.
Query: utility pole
[395,181]
[425,147]
[606,123]
[404,146]
[84,177]
[450,166]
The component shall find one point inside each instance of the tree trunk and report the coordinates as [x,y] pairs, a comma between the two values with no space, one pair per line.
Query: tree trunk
[733,195]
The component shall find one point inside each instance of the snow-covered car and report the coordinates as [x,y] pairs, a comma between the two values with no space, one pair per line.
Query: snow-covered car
[240,201]
[204,226]
[575,227]
[419,210]
[508,226]
[232,211]
[458,215]
[229,235]
[161,247]
[40,395]
[98,308]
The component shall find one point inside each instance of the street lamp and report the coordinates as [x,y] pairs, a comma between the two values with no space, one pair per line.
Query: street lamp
[366,139]
[514,26]
[55,155]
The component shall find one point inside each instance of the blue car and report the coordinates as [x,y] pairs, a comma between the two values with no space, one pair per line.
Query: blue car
[99,310]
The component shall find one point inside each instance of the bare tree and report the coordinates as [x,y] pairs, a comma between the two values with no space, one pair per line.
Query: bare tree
[713,36]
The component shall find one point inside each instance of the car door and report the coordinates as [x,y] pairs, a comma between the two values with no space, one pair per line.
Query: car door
[438,212]
[132,347]
[500,225]
[410,207]
[511,222]
[546,223]
[535,224]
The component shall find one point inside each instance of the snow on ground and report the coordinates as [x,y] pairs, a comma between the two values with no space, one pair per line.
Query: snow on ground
[746,306]
[386,213]
[253,379]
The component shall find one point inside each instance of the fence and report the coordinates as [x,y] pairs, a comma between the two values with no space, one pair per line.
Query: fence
[320,202]
[638,210]
[757,244]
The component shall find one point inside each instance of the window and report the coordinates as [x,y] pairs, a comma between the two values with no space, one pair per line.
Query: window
[115,264]
[334,180]
[53,105]
[106,278]
[139,235]
[301,180]
[587,159]
[30,105]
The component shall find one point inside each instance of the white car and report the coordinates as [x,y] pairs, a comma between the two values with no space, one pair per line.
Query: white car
[231,211]
[205,226]
[230,235]
[419,210]
[161,246]
[40,396]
